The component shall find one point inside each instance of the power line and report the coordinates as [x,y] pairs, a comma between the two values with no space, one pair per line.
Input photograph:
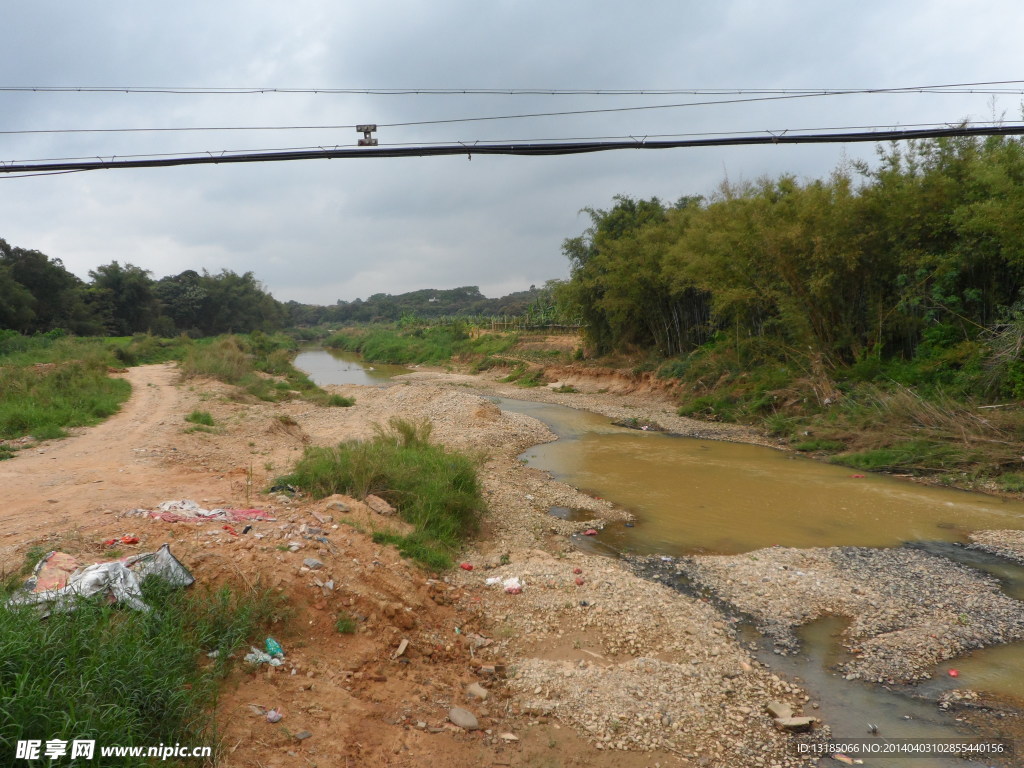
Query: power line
[990,87]
[535,150]
[769,96]
[464,143]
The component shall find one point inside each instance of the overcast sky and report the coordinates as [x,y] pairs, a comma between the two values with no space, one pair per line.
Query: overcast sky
[321,230]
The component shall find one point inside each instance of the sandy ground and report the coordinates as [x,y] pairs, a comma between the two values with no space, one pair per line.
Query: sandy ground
[589,665]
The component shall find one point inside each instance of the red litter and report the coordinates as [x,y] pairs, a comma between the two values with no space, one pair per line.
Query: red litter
[577,570]
[230,530]
[466,566]
[129,539]
[857,476]
[954,673]
[579,582]
[590,532]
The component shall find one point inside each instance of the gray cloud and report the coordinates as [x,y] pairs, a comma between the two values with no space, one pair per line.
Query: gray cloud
[318,231]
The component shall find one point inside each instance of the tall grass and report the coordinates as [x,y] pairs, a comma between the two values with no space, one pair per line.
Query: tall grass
[122,677]
[433,346]
[44,401]
[433,488]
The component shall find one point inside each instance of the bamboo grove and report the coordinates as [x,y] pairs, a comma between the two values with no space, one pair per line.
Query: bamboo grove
[923,250]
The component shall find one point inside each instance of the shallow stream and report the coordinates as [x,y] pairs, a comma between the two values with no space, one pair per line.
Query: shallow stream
[693,496]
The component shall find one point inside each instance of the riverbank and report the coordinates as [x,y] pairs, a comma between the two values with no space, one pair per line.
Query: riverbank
[601,667]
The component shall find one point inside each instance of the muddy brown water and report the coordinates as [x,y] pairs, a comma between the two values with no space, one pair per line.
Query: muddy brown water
[336,367]
[702,496]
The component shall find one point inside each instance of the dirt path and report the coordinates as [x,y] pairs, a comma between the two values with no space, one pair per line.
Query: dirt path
[65,484]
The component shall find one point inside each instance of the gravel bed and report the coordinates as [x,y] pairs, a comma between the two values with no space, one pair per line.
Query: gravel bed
[908,610]
[633,665]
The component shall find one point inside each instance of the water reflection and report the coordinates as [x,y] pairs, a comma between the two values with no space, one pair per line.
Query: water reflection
[326,367]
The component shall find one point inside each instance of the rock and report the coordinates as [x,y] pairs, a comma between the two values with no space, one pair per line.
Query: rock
[313,564]
[477,691]
[302,735]
[508,737]
[378,505]
[334,506]
[795,724]
[463,718]
[779,710]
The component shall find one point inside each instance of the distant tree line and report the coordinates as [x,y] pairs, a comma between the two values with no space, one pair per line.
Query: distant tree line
[466,301]
[38,294]
[925,250]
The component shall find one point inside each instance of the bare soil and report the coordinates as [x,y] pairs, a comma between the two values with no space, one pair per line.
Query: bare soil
[595,668]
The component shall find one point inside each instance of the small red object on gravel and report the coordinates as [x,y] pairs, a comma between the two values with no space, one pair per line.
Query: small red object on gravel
[129,539]
[577,570]
[466,566]
[590,532]
[954,673]
[579,582]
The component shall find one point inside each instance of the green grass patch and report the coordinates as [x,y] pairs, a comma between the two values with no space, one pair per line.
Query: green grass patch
[431,345]
[44,400]
[346,624]
[124,677]
[200,417]
[433,488]
[1013,482]
[908,456]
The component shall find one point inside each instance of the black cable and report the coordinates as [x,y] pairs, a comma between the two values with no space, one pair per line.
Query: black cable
[202,90]
[564,113]
[464,143]
[536,150]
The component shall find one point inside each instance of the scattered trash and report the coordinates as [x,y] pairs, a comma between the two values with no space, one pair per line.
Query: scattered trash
[512,585]
[274,716]
[490,581]
[577,570]
[954,673]
[466,566]
[128,539]
[579,581]
[590,532]
[857,477]
[313,564]
[185,510]
[230,529]
[273,647]
[213,654]
[59,581]
[401,649]
[247,529]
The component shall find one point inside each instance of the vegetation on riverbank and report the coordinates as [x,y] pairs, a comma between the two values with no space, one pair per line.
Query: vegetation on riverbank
[123,677]
[431,487]
[427,344]
[883,320]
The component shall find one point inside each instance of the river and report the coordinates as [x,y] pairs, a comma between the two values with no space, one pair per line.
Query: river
[693,496]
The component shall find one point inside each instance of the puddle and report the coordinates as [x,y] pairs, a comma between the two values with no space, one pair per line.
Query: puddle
[572,515]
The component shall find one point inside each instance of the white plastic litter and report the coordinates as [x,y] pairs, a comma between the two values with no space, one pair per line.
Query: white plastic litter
[120,580]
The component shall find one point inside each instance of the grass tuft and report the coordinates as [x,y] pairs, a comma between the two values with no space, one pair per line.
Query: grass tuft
[433,488]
